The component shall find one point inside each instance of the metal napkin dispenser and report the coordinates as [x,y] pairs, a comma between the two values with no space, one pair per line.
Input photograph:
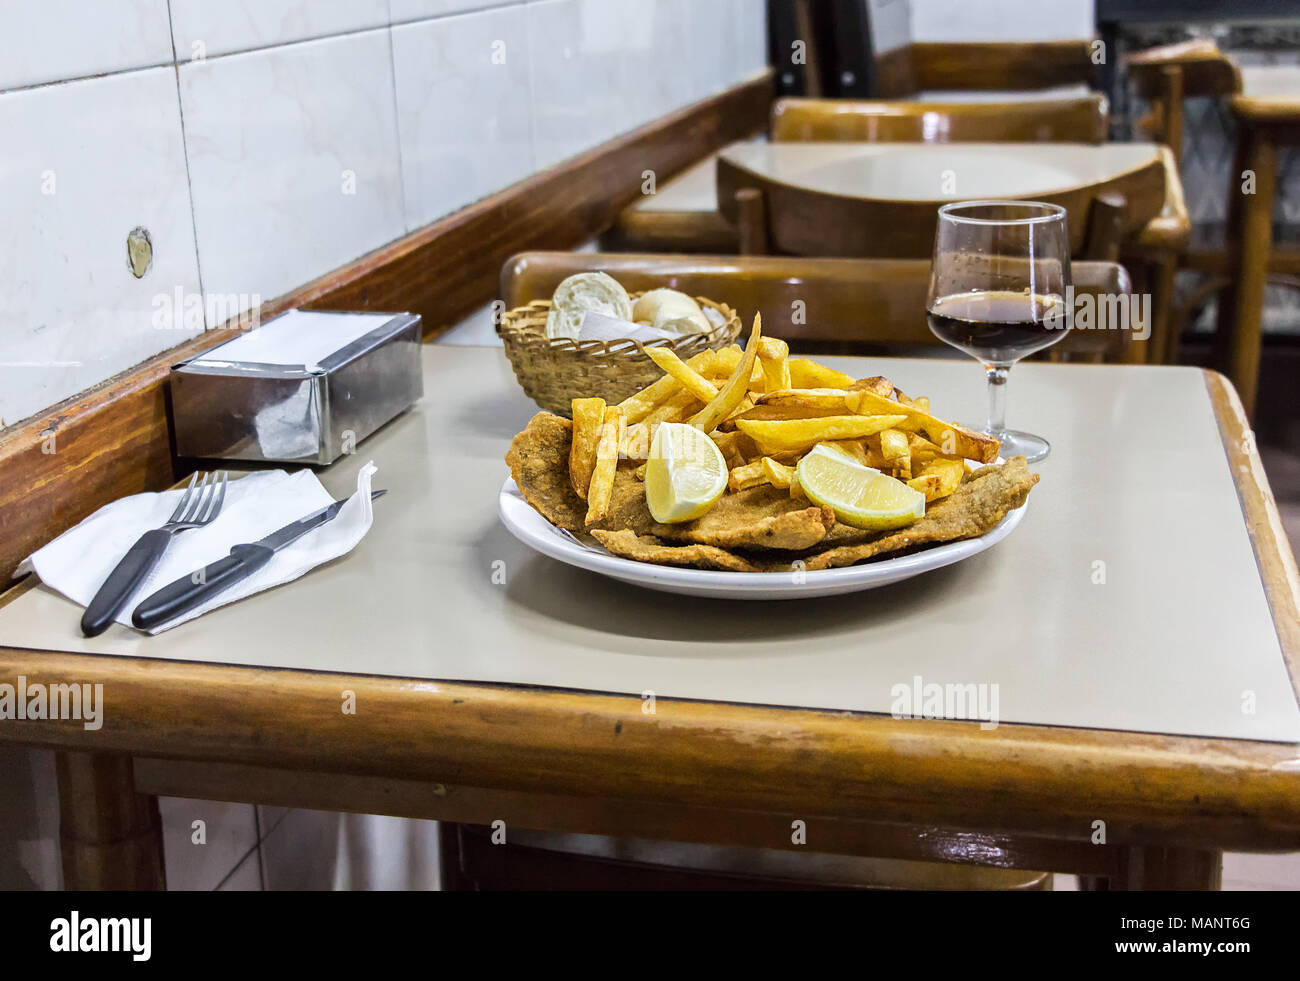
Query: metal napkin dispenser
[305,387]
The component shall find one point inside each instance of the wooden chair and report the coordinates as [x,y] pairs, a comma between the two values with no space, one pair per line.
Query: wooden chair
[1076,120]
[846,306]
[1240,263]
[998,66]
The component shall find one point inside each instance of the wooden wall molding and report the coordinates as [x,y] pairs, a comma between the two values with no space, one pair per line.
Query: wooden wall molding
[114,439]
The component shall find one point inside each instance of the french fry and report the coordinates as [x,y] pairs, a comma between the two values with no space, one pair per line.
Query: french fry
[737,448]
[773,358]
[686,376]
[588,414]
[806,373]
[638,442]
[879,384]
[746,405]
[800,403]
[796,488]
[640,405]
[675,408]
[602,477]
[750,475]
[895,449]
[778,474]
[791,435]
[952,439]
[938,478]
[639,472]
[733,392]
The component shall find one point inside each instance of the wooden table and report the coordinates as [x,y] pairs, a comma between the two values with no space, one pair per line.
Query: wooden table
[1152,473]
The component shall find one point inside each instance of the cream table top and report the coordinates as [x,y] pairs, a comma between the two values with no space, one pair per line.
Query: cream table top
[1138,480]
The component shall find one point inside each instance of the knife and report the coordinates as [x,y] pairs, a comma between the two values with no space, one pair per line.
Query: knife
[198,587]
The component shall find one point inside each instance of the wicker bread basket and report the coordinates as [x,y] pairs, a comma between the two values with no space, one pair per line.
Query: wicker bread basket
[554,371]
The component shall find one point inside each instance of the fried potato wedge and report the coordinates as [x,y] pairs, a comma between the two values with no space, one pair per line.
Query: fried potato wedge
[879,384]
[588,416]
[602,478]
[778,474]
[951,438]
[686,376]
[773,356]
[675,408]
[777,436]
[939,478]
[748,475]
[806,373]
[737,386]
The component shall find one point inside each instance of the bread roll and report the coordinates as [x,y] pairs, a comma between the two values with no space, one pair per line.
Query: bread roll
[671,310]
[583,292]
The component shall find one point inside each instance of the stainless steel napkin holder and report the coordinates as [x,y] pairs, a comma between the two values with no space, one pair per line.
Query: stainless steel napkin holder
[311,414]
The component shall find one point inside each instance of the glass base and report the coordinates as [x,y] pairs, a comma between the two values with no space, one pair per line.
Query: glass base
[1016,443]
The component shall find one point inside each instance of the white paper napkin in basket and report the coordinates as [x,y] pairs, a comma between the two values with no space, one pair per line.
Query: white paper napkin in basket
[78,561]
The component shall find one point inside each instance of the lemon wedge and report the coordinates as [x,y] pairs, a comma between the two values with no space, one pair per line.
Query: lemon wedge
[685,473]
[860,496]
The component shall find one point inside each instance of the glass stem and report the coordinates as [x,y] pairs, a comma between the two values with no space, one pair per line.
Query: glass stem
[997,374]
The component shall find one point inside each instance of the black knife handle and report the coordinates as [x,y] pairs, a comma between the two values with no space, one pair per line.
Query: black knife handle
[193,590]
[124,580]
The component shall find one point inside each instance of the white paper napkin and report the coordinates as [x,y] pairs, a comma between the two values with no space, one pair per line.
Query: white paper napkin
[602,327]
[78,561]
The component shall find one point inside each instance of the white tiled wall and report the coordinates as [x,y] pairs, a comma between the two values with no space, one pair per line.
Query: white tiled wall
[1000,20]
[262,143]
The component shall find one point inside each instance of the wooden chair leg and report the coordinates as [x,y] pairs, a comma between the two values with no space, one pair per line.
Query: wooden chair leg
[110,836]
[1241,321]
[1157,868]
[751,220]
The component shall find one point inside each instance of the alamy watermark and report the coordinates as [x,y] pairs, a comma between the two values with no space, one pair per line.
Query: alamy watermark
[36,701]
[930,700]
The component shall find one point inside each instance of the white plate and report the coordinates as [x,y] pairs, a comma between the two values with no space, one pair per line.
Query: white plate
[538,533]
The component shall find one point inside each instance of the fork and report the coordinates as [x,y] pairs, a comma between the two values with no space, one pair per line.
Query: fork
[199,505]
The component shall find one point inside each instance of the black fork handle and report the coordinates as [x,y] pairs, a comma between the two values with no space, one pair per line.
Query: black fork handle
[123,581]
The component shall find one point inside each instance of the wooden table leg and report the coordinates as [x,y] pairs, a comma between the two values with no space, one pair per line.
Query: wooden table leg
[1250,241]
[109,835]
[1155,868]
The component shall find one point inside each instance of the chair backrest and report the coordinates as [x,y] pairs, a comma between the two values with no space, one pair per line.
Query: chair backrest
[845,305]
[781,214]
[1167,75]
[1204,70]
[1073,120]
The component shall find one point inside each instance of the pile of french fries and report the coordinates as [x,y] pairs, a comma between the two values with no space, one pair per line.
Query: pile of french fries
[765,410]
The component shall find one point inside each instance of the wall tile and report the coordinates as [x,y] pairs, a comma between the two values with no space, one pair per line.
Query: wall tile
[576,49]
[403,11]
[293,157]
[230,833]
[989,20]
[53,40]
[463,109]
[751,40]
[84,164]
[223,26]
[711,57]
[891,25]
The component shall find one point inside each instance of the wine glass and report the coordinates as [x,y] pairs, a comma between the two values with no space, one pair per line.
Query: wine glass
[998,288]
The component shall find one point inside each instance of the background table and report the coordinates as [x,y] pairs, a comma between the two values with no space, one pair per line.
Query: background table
[1152,475]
